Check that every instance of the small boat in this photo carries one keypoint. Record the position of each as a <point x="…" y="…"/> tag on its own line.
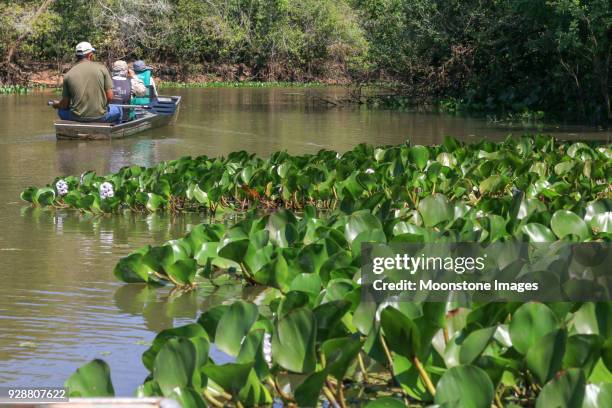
<point x="159" y="112"/>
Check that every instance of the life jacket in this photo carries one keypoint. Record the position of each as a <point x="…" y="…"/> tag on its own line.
<point x="122" y="95"/>
<point x="146" y="79"/>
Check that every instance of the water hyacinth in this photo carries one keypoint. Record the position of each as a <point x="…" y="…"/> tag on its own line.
<point x="267" y="348"/>
<point x="62" y="187"/>
<point x="106" y="190"/>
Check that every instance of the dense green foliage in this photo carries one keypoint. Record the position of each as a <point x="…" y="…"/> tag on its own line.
<point x="559" y="175"/>
<point x="504" y="56"/>
<point x="311" y="334"/>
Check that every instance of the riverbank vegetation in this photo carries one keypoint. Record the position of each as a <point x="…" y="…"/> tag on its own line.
<point x="311" y="335"/>
<point x="505" y="56"/>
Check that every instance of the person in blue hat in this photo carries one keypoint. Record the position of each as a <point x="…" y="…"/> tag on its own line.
<point x="144" y="73"/>
<point x="87" y="90"/>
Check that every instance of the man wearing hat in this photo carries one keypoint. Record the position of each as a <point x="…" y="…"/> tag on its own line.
<point x="144" y="73"/>
<point x="87" y="90"/>
<point x="125" y="86"/>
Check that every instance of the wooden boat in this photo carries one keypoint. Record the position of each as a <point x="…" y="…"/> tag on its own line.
<point x="160" y="112"/>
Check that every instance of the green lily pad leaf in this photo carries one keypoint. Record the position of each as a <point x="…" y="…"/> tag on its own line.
<point x="188" y="398"/>
<point x="407" y="375"/>
<point x="281" y="226"/>
<point x="582" y="351"/>
<point x="236" y="323"/>
<point x="231" y="377"/>
<point x="435" y="209"/>
<point x="447" y="159"/>
<point x="565" y="222"/>
<point x="175" y="365"/>
<point x="91" y="380"/>
<point x="293" y="341"/>
<point x="401" y="333"/>
<point x="44" y="196"/>
<point x="154" y="202"/>
<point x="233" y="249"/>
<point x="385" y="402"/>
<point x="339" y="354"/>
<point x="360" y="221"/>
<point x="492" y="184"/>
<point x="474" y="344"/>
<point x="538" y="233"/>
<point x="565" y="391"/>
<point x="182" y="271"/>
<point x="209" y="320"/>
<point x="545" y="357"/>
<point x="597" y="396"/>
<point x="307" y="393"/>
<point x="419" y="155"/>
<point x="306" y="282"/>
<point x="464" y="386"/>
<point x="530" y="323"/>
<point x="599" y="216"/>
<point x="190" y="331"/>
<point x="328" y="316"/>
<point x="133" y="269"/>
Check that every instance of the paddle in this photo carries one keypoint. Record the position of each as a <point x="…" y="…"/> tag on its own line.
<point x="160" y="106"/>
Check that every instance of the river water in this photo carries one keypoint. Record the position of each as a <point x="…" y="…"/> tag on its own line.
<point x="59" y="303"/>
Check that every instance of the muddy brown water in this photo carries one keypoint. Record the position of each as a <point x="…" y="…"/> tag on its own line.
<point x="59" y="303"/>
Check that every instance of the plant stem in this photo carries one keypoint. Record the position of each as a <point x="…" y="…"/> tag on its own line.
<point x="212" y="400"/>
<point x="387" y="352"/>
<point x="424" y="376"/>
<point x="279" y="391"/>
<point x="330" y="397"/>
<point x="340" y="393"/>
<point x="362" y="367"/>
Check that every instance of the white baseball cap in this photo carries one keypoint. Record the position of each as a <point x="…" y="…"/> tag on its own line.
<point x="84" y="48"/>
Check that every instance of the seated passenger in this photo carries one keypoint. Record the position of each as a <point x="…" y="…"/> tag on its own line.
<point x="126" y="85"/>
<point x="87" y="90"/>
<point x="144" y="73"/>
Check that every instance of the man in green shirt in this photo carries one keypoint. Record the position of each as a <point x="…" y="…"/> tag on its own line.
<point x="87" y="90"/>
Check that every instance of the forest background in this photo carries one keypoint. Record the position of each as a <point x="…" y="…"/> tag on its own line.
<point x="551" y="56"/>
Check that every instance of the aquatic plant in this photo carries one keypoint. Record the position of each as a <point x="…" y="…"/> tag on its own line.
<point x="312" y="334"/>
<point x="561" y="175"/>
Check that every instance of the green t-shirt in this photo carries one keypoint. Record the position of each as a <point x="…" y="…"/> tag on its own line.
<point x="85" y="85"/>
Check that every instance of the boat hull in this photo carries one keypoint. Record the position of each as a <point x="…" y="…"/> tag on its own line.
<point x="71" y="130"/>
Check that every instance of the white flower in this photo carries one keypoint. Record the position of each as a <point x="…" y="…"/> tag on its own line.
<point x="106" y="190"/>
<point x="81" y="178"/>
<point x="61" y="187"/>
<point x="369" y="171"/>
<point x="338" y="156"/>
<point x="267" y="348"/>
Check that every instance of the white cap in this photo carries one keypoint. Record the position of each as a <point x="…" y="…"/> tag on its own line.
<point x="84" y="48"/>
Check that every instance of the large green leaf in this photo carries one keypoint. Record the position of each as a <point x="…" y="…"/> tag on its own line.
<point x="565" y="391"/>
<point x="529" y="324"/>
<point x="175" y="365"/>
<point x="565" y="222"/>
<point x="545" y="358"/>
<point x="385" y="402"/>
<point x="464" y="386"/>
<point x="597" y="396"/>
<point x="435" y="209"/>
<point x="401" y="334"/>
<point x="187" y="398"/>
<point x="360" y="222"/>
<point x="189" y="331"/>
<point x="293" y="341"/>
<point x="419" y="155"/>
<point x="474" y="344"/>
<point x="91" y="380"/>
<point x="235" y="323"/>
